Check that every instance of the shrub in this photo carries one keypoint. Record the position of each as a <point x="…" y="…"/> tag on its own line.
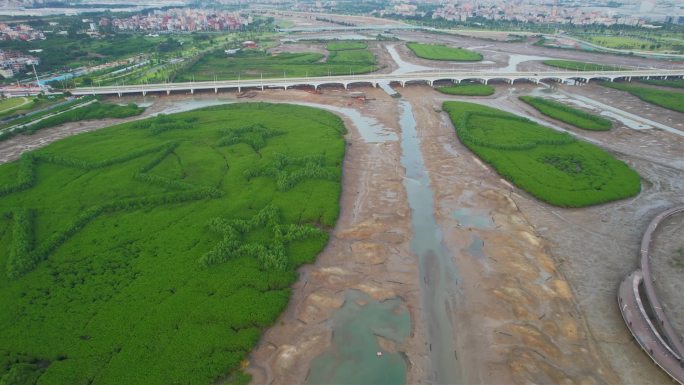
<point x="254" y="136"/>
<point x="567" y="114"/>
<point x="466" y="89"/>
<point x="271" y="255"/>
<point x="310" y="167"/>
<point x="26" y="177"/>
<point x="21" y="258"/>
<point x="443" y="52"/>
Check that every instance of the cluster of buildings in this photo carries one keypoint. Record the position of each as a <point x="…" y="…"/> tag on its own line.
<point x="180" y="20"/>
<point x="578" y="12"/>
<point x="528" y="12"/>
<point x="13" y="62"/>
<point x="19" y="32"/>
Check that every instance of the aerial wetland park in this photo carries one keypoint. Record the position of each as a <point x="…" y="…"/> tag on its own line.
<point x="358" y="193"/>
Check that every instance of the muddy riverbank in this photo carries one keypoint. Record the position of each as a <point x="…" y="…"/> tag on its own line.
<point x="596" y="247"/>
<point x="518" y="319"/>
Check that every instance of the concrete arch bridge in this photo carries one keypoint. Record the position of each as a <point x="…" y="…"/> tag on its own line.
<point x="374" y="80"/>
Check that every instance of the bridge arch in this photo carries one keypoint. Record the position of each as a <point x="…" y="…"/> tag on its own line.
<point x="365" y="82"/>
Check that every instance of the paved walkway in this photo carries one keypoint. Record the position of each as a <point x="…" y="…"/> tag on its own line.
<point x="643" y="312"/>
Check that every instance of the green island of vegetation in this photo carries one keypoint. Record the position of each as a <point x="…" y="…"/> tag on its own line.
<point x="567" y="114"/>
<point x="157" y="251"/>
<point x="249" y="64"/>
<point x="635" y="41"/>
<point x="579" y="66"/>
<point x="443" y="52"/>
<point x="467" y="89"/>
<point x="554" y="167"/>
<point x="672" y="100"/>
<point x="345" y="45"/>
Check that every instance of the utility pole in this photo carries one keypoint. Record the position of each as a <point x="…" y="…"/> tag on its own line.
<point x="35" y="74"/>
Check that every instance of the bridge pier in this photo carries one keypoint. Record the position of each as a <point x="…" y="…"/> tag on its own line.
<point x="430" y="82"/>
<point x="192" y="91"/>
<point x="455" y="81"/>
<point x="216" y="90"/>
<point x="144" y="93"/>
<point x="119" y="93"/>
<point x="168" y="92"/>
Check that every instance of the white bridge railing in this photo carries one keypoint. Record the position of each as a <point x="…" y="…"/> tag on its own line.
<point x="375" y="79"/>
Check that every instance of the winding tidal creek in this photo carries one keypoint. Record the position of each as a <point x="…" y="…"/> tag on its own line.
<point x="438" y="273"/>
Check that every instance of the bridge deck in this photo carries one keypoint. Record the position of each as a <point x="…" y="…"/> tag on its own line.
<point x="375" y="79"/>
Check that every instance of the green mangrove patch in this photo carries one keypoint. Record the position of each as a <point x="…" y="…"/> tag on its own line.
<point x="552" y="166"/>
<point x="672" y="100"/>
<point x="467" y="89"/>
<point x="157" y="251"/>
<point x="567" y="114"/>
<point x="579" y="65"/>
<point x="342" y="59"/>
<point x="443" y="52"/>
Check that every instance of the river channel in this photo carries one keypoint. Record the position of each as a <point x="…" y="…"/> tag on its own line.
<point x="438" y="273"/>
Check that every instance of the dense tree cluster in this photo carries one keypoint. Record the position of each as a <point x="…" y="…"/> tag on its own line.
<point x="567" y="114"/>
<point x="26" y="176"/>
<point x="20" y="258"/>
<point x="25" y="257"/>
<point x="271" y="255"/>
<point x="486" y="129"/>
<point x="307" y="167"/>
<point x="162" y="123"/>
<point x="254" y="136"/>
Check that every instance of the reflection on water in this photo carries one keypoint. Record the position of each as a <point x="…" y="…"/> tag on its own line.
<point x="353" y="355"/>
<point x="476" y="247"/>
<point x="477" y="218"/>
